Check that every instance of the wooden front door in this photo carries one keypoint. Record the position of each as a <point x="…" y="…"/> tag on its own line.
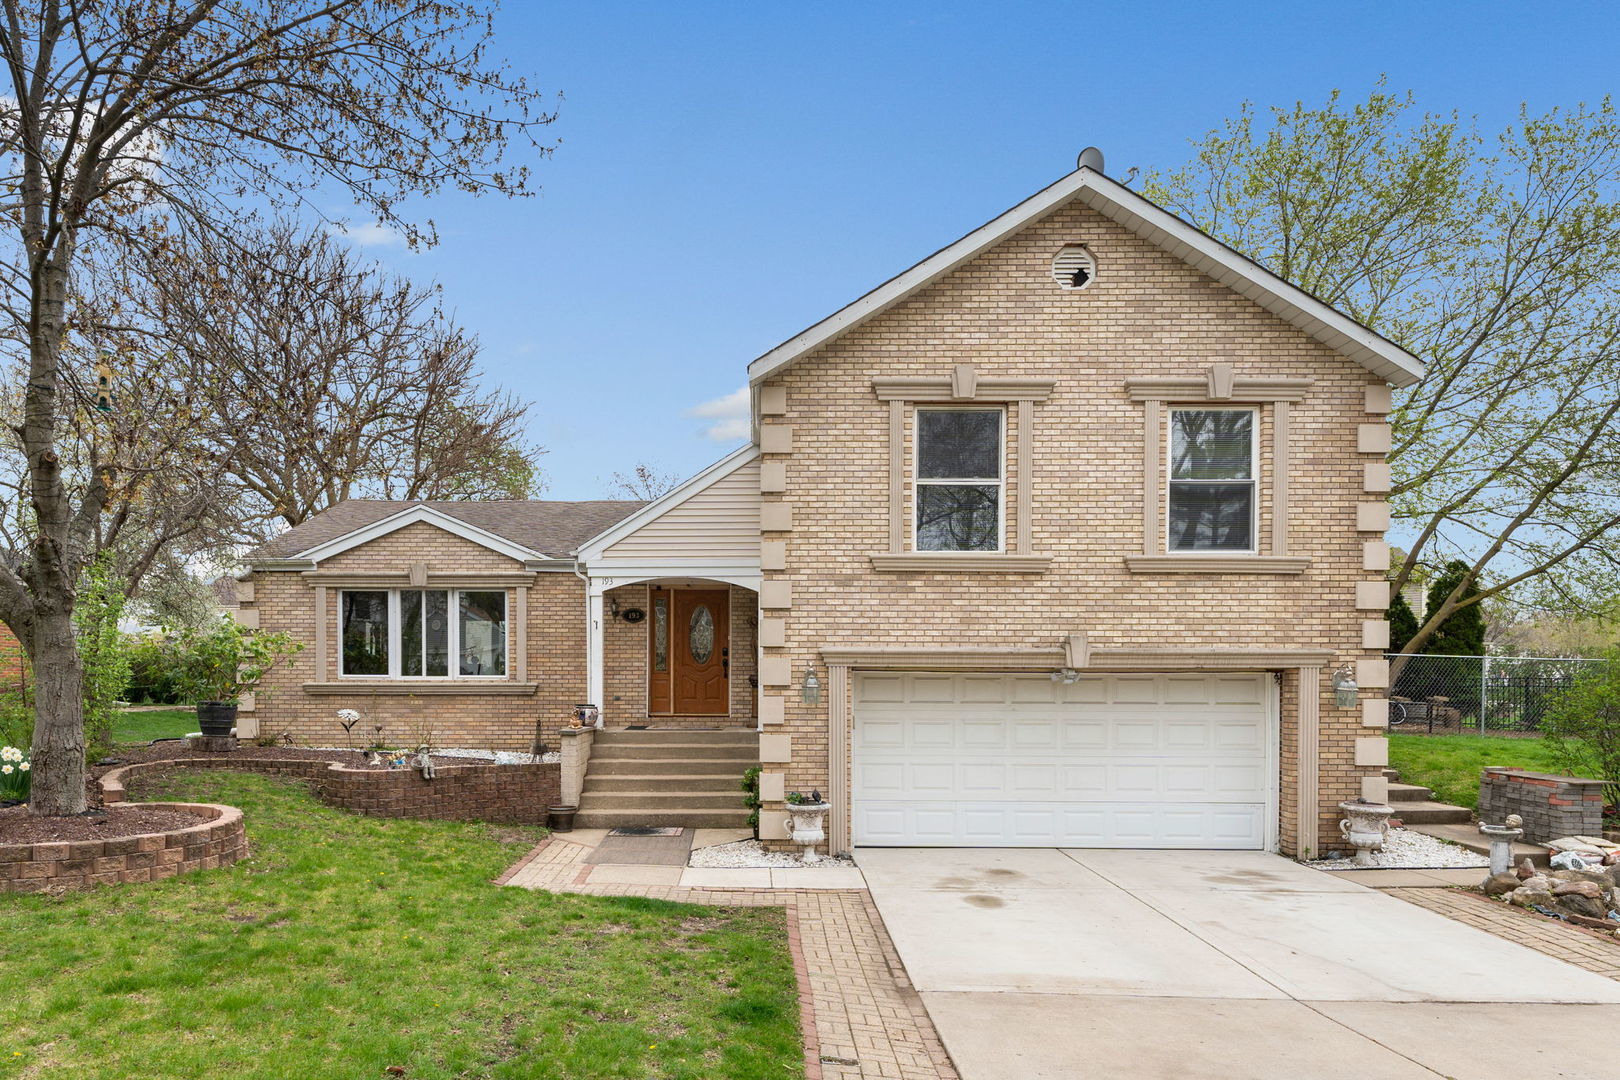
<point x="690" y="654"/>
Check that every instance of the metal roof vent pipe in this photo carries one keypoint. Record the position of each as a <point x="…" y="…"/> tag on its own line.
<point x="1091" y="158"/>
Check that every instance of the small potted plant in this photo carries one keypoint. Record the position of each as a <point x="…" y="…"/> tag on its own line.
<point x="216" y="666"/>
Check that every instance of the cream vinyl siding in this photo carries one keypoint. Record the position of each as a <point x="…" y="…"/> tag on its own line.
<point x="721" y="521"/>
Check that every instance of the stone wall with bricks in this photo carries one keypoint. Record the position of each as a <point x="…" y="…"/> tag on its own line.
<point x="1552" y="806"/>
<point x="1147" y="313"/>
<point x="216" y="840"/>
<point x="514" y="794"/>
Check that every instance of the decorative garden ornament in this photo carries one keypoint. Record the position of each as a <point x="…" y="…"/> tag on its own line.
<point x="1365" y="825"/>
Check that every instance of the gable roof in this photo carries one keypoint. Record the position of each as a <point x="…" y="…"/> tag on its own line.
<point x="651" y="511"/>
<point x="1118" y="203"/>
<point x="524" y="528"/>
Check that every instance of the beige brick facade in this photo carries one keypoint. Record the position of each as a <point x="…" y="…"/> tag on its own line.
<point x="554" y="638"/>
<point x="1147" y="314"/>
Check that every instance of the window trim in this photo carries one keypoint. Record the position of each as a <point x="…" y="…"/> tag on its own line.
<point x="917" y="481"/>
<point x="1254" y="547"/>
<point x="453" y="635"/>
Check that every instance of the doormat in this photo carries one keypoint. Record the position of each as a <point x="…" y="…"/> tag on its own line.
<point x="642" y="849"/>
<point x="638" y="727"/>
<point x="645" y="830"/>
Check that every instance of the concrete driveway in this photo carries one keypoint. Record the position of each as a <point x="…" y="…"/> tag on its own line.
<point x="1038" y="964"/>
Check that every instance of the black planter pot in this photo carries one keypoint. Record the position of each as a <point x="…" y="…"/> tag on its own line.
<point x="216" y="717"/>
<point x="561" y="818"/>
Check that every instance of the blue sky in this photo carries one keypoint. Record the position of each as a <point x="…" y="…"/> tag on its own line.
<point x="730" y="173"/>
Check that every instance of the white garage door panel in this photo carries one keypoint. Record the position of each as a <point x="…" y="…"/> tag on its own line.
<point x="1172" y="760"/>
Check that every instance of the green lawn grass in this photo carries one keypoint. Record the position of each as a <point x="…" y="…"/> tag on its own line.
<point x="1450" y="764"/>
<point x="347" y="945"/>
<point x="143" y="727"/>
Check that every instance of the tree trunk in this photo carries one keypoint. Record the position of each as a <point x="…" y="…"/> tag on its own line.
<point x="58" y="752"/>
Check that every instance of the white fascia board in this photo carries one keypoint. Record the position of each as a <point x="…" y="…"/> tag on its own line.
<point x="604" y="574"/>
<point x="1288" y="302"/>
<point x="410" y="516"/>
<point x="593" y="548"/>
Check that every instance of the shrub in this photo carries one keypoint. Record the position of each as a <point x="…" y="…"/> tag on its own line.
<point x="225" y="661"/>
<point x="103" y="655"/>
<point x="151" y="671"/>
<point x="750" y="787"/>
<point x="1582" y="725"/>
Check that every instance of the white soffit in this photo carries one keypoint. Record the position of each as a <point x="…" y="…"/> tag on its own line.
<point x="670" y="499"/>
<point x="410" y="516"/>
<point x="1293" y="305"/>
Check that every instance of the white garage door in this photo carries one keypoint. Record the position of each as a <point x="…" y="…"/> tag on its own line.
<point x="1139" y="760"/>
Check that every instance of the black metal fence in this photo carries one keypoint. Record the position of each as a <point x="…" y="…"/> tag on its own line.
<point x="1476" y="695"/>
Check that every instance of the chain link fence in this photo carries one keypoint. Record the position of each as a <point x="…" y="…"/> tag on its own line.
<point x="1476" y="695"/>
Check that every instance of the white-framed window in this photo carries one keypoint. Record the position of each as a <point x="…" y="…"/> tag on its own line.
<point x="1214" y="493"/>
<point x="422" y="633"/>
<point x="959" y="479"/>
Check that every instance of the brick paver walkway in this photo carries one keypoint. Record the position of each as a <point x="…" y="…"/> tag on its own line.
<point x="861" y="1016"/>
<point x="1583" y="949"/>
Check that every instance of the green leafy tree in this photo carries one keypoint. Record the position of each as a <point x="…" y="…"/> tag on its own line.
<point x="1462" y="633"/>
<point x="1495" y="260"/>
<point x="104" y="652"/>
<point x="1402" y="623"/>
<point x="1583" y="725"/>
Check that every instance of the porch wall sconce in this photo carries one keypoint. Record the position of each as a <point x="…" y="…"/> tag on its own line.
<point x="810" y="694"/>
<point x="1345" y="690"/>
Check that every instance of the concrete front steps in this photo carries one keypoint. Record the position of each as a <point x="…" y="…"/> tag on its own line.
<point x="668" y="776"/>
<point x="1416" y="809"/>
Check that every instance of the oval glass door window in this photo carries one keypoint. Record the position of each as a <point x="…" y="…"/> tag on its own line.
<point x="700" y="635"/>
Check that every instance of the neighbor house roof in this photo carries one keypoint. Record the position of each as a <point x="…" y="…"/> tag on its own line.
<point x="1153" y="223"/>
<point x="542" y="526"/>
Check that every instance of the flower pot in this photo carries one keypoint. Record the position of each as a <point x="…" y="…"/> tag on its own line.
<point x="216" y="717"/>
<point x="1364" y="826"/>
<point x="561" y="818"/>
<point x="804" y="824"/>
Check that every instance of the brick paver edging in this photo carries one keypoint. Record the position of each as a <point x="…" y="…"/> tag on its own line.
<point x="861" y="1017"/>
<point x="217" y="839"/>
<point x="510" y="794"/>
<point x="1592" y="950"/>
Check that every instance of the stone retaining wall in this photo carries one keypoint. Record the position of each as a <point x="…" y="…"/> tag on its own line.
<point x="216" y="840"/>
<point x="512" y="794"/>
<point x="1551" y="806"/>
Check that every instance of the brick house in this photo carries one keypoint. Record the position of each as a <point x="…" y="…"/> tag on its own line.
<point x="1060" y="537"/>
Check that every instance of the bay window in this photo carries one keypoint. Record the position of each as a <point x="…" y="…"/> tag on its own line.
<point x="423" y="633"/>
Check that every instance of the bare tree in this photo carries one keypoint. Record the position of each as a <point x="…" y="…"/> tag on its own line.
<point x="644" y="482"/>
<point x="319" y="377"/>
<point x="123" y="122"/>
<point x="1501" y="269"/>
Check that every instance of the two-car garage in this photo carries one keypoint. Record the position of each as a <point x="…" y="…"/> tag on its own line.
<point x="1151" y="760"/>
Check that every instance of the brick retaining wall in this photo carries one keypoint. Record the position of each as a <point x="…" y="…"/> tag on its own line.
<point x="216" y="840"/>
<point x="1551" y="806"/>
<point x="512" y="794"/>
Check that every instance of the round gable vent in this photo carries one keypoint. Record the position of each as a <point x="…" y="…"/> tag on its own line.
<point x="1074" y="267"/>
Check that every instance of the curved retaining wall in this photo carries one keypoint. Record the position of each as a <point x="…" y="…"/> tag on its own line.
<point x="510" y="794"/>
<point x="216" y="840"/>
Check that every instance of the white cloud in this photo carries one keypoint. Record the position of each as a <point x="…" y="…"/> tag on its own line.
<point x="730" y="416"/>
<point x="372" y="235"/>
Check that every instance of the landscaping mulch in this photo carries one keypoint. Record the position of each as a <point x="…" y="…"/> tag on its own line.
<point x="18" y="826"/>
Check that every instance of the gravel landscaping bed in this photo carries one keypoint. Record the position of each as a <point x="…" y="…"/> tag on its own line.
<point x="1408" y="850"/>
<point x="751" y="854"/>
<point x="18" y="826"/>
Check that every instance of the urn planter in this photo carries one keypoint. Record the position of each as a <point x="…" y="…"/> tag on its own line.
<point x="805" y="822"/>
<point x="1364" y="826"/>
